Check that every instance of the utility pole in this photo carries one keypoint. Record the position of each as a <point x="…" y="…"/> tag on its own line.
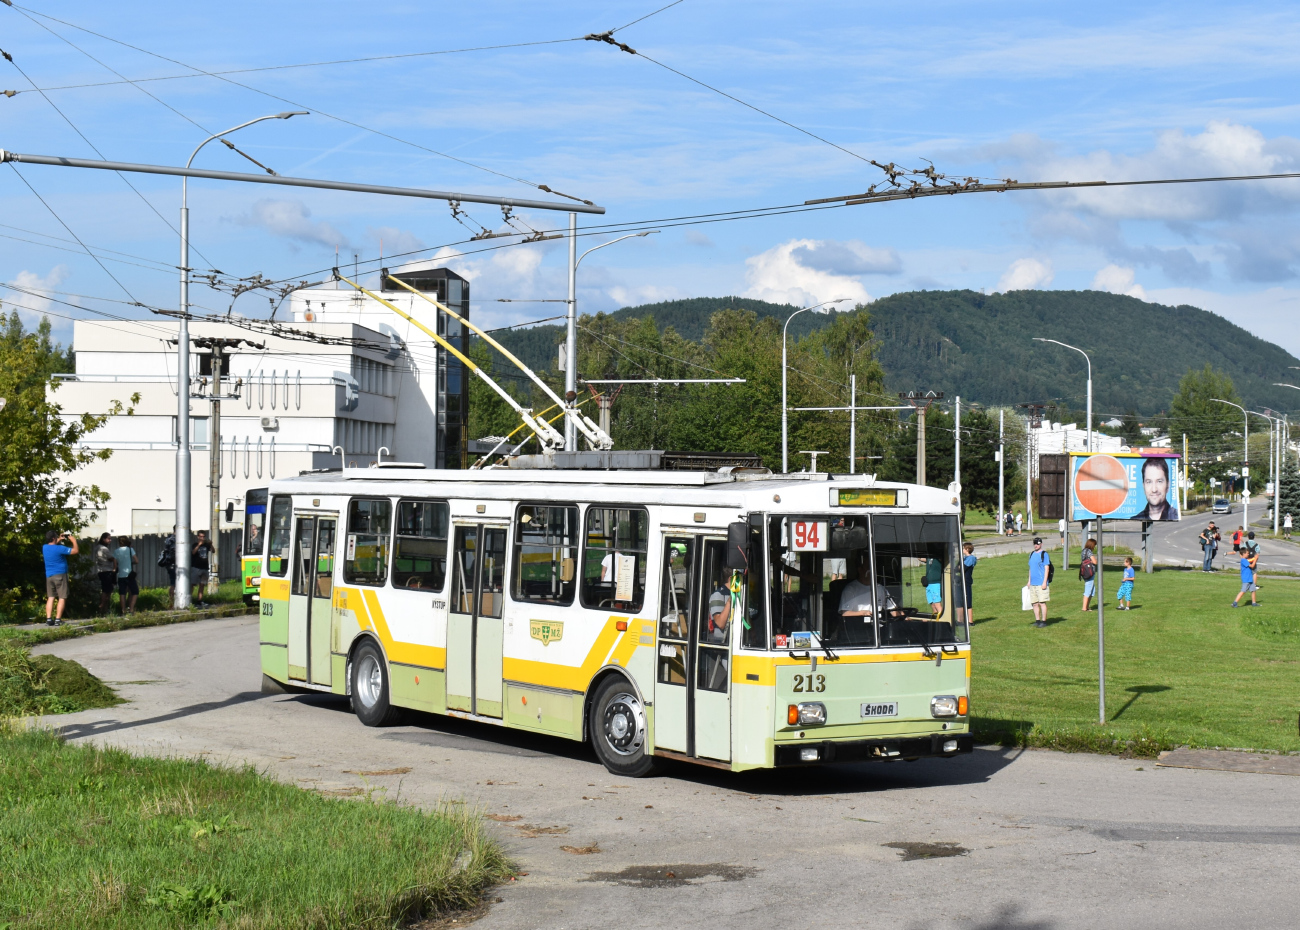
<point x="920" y="401"/>
<point x="1186" y="472"/>
<point x="571" y="341"/>
<point x="1035" y="421"/>
<point x="853" y="420"/>
<point x="1001" y="456"/>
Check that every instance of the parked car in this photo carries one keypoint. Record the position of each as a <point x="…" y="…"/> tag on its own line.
<point x="1221" y="505"/>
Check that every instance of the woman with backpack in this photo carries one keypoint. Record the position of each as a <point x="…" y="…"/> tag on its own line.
<point x="1088" y="571"/>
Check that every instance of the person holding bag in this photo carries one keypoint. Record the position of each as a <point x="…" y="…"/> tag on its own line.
<point x="1088" y="572"/>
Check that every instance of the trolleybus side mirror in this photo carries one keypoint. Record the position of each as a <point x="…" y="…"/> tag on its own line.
<point x="230" y="511"/>
<point x="738" y="546"/>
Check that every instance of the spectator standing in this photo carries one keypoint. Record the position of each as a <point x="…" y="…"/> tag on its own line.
<point x="1008" y="523"/>
<point x="963" y="598"/>
<point x="1088" y="572"/>
<point x="1060" y="528"/>
<point x="1237" y="537"/>
<point x="934" y="585"/>
<point x="1249" y="566"/>
<point x="1125" y="593"/>
<point x="1020" y="522"/>
<point x="55" y="552"/>
<point x="199" y="565"/>
<point x="1040" y="564"/>
<point x="167" y="560"/>
<point x="128" y="564"/>
<point x="106" y="568"/>
<point x="1209" y="546"/>
<point x="1286" y="525"/>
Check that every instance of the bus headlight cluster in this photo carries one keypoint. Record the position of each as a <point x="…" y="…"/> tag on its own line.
<point x="943" y="705"/>
<point x="806" y="715"/>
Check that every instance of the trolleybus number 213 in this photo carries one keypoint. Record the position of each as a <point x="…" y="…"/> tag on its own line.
<point x="741" y="620"/>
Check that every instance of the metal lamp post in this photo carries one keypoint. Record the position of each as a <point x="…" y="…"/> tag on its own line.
<point x="1245" y="491"/>
<point x="1089" y="360"/>
<point x="785" y="431"/>
<point x="183" y="379"/>
<point x="571" y="339"/>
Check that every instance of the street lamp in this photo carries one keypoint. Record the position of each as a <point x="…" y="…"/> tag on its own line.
<point x="183" y="380"/>
<point x="785" y="432"/>
<point x="1089" y="360"/>
<point x="1245" y="496"/>
<point x="571" y="340"/>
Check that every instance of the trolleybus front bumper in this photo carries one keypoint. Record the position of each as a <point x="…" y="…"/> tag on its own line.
<point x="872" y="750"/>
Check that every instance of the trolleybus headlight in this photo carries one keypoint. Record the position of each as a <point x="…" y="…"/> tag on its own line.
<point x="806" y="715"/>
<point x="944" y="705"/>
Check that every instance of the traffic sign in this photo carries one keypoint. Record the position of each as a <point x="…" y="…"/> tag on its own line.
<point x="1246" y="493"/>
<point x="1101" y="484"/>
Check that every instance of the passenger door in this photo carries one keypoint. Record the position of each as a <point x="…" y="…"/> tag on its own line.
<point x="475" y="630"/>
<point x="311" y="598"/>
<point x="696" y="632"/>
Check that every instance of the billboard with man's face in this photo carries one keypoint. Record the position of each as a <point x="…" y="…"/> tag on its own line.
<point x="1124" y="485"/>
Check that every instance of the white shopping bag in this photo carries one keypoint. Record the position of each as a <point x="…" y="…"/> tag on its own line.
<point x="1024" y="599"/>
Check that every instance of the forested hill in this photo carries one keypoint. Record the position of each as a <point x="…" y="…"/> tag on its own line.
<point x="981" y="346"/>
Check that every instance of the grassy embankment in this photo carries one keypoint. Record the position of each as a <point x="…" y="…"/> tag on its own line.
<point x="1182" y="667"/>
<point x="95" y="838"/>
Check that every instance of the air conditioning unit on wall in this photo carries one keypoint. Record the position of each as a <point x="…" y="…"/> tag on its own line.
<point x="270" y="424"/>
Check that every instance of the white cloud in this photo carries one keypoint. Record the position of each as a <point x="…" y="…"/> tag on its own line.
<point x="292" y="220"/>
<point x="782" y="275"/>
<point x="848" y="258"/>
<point x="1025" y="274"/>
<point x="695" y="237"/>
<point x="33" y="302"/>
<point x="1118" y="280"/>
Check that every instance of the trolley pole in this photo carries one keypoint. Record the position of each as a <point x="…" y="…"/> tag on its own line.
<point x="571" y="341"/>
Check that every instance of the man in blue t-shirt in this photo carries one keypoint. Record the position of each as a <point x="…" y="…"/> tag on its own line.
<point x="56" y="551"/>
<point x="1039" y="595"/>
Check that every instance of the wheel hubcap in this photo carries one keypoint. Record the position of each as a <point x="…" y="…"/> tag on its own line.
<point x="370" y="681"/>
<point x="624" y="724"/>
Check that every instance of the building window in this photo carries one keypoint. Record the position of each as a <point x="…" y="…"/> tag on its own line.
<point x="278" y="538"/>
<point x="365" y="561"/>
<point x="614" y="562"/>
<point x="546" y="542"/>
<point x="420" y="549"/>
<point x="372" y="377"/>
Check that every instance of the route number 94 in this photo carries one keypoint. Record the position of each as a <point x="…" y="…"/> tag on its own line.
<point x="808" y="536"/>
<point x="808" y="684"/>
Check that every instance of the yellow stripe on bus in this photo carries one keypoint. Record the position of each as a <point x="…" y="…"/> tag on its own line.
<point x="568" y="677"/>
<point x="275" y="589"/>
<point x="366" y="606"/>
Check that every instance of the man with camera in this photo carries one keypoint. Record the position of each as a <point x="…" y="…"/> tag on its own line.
<point x="58" y="546"/>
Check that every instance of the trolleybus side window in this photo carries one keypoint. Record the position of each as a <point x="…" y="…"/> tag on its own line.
<point x="254" y="521"/>
<point x="715" y="629"/>
<point x="277" y="552"/>
<point x="546" y="549"/>
<point x="492" y="584"/>
<point x="614" y="561"/>
<point x="675" y="609"/>
<point x="365" y="558"/>
<point x="753" y="633"/>
<point x="420" y="547"/>
<point x="914" y="557"/>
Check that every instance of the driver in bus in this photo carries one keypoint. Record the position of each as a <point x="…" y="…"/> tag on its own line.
<point x="719" y="615"/>
<point x="856" y="599"/>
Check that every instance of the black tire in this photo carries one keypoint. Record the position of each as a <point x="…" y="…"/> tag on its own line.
<point x="618" y="730"/>
<point x="368" y="685"/>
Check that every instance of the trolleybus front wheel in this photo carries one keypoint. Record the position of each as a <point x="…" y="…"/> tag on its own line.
<point x="618" y="730"/>
<point x="370" y="687"/>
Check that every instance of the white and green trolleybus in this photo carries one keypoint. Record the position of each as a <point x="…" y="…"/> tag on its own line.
<point x="728" y="617"/>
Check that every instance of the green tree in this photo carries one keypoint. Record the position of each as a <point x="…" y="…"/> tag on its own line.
<point x="40" y="450"/>
<point x="1213" y="429"/>
<point x="1289" y="492"/>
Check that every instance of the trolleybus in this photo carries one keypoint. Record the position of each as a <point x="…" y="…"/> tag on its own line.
<point x="732" y="618"/>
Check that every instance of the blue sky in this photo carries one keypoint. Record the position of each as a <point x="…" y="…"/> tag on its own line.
<point x="1025" y="90"/>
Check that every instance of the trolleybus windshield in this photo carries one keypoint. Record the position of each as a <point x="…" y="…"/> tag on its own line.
<point x="861" y="582"/>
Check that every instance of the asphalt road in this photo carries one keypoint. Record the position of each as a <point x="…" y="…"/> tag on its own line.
<point x="1042" y="840"/>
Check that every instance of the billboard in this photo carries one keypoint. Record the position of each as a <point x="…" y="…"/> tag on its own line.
<point x="1124" y="485"/>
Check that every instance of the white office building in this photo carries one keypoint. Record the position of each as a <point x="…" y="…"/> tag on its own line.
<point x="345" y="380"/>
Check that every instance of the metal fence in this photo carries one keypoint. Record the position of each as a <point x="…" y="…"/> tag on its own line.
<point x="150" y="546"/>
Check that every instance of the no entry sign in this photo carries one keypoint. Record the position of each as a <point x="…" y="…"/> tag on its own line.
<point x="1101" y="484"/>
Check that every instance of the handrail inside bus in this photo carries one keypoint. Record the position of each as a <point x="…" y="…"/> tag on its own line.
<point x="546" y="434"/>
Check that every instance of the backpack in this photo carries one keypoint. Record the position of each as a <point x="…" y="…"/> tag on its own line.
<point x="1087" y="569"/>
<point x="1051" y="570"/>
<point x="167" y="558"/>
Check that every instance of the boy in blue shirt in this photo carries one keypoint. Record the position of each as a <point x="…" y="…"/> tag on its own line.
<point x="1249" y="561"/>
<point x="56" y="552"/>
<point x="1125" y="593"/>
<point x="1039" y="594"/>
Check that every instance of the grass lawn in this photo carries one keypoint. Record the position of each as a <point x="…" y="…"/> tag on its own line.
<point x="1182" y="667"/>
<point x="92" y="838"/>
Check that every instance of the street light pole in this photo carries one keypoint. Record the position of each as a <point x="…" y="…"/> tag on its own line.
<point x="1245" y="491"/>
<point x="1089" y="360"/>
<point x="183" y="463"/>
<point x="571" y="339"/>
<point x="785" y="432"/>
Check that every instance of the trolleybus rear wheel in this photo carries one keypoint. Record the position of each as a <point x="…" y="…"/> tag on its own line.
<point x="618" y="730"/>
<point x="370" y="687"/>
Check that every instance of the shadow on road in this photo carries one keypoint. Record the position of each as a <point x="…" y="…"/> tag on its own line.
<point x="99" y="727"/>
